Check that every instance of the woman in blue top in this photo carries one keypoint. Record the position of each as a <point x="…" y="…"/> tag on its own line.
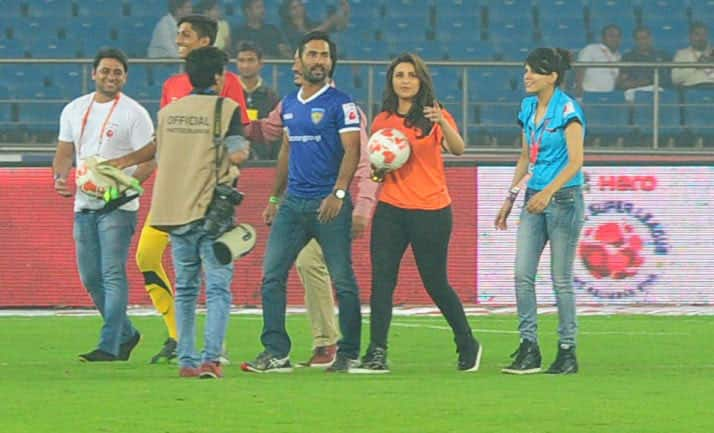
<point x="552" y="154"/>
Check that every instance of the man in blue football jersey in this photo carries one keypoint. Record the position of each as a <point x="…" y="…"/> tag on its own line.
<point x="318" y="157"/>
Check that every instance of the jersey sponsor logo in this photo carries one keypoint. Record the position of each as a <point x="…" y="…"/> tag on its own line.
<point x="316" y="114"/>
<point x="568" y="109"/>
<point x="304" y="138"/>
<point x="351" y="116"/>
<point x="287" y="116"/>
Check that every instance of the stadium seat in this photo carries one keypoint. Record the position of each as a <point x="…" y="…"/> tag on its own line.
<point x="493" y="85"/>
<point x="702" y="10"/>
<point x="105" y="8"/>
<point x="698" y="111"/>
<point x="607" y="114"/>
<point x="477" y="51"/>
<point x="57" y="9"/>
<point x="41" y="116"/>
<point x="447" y="82"/>
<point x="669" y="112"/>
<point x="618" y="12"/>
<point x="562" y="31"/>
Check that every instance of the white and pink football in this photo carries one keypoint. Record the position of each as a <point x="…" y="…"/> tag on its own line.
<point x="389" y="149"/>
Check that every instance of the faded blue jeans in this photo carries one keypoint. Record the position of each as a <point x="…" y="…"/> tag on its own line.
<point x="102" y="245"/>
<point x="192" y="250"/>
<point x="295" y="224"/>
<point x="559" y="224"/>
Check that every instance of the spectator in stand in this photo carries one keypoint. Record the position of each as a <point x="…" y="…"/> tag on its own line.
<point x="642" y="79"/>
<point x="266" y="36"/>
<point x="163" y="39"/>
<point x="212" y="9"/>
<point x="600" y="79"/>
<point x="260" y="99"/>
<point x="700" y="51"/>
<point x="295" y="22"/>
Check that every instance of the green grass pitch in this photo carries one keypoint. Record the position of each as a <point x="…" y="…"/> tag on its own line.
<point x="638" y="374"/>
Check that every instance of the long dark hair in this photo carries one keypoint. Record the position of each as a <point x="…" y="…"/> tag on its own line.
<point x="424" y="97"/>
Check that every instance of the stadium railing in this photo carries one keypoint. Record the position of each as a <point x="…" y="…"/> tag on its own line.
<point x="483" y="96"/>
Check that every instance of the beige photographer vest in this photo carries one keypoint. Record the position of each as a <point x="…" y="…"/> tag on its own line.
<point x="186" y="158"/>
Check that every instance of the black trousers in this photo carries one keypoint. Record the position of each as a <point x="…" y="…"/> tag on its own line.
<point x="428" y="233"/>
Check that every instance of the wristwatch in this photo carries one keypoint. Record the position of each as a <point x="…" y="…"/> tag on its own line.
<point x="340" y="193"/>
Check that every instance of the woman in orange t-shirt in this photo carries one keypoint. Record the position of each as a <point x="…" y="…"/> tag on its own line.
<point x="414" y="209"/>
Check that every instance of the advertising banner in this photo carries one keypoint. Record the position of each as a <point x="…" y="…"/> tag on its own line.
<point x="647" y="238"/>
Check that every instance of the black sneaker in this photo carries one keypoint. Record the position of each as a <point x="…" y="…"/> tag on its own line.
<point x="470" y="355"/>
<point x="342" y="364"/>
<point x="565" y="362"/>
<point x="373" y="362"/>
<point x="97" y="355"/>
<point x="527" y="360"/>
<point x="267" y="363"/>
<point x="168" y="352"/>
<point x="126" y="348"/>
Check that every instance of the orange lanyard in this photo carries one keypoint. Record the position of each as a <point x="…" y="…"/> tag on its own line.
<point x="104" y="124"/>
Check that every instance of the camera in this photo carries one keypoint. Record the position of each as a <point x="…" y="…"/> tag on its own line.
<point x="221" y="210"/>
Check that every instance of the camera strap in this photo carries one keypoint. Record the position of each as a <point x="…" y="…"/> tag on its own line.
<point x="218" y="134"/>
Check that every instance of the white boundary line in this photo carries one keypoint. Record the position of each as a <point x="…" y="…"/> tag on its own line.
<point x="399" y="311"/>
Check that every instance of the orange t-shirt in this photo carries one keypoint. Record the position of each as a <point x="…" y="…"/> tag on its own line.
<point x="421" y="182"/>
<point x="177" y="86"/>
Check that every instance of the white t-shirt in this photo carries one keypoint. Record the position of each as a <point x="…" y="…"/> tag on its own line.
<point x="128" y="128"/>
<point x="599" y="79"/>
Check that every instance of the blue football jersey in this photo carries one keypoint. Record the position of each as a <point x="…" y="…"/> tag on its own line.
<point x="313" y="127"/>
<point x="547" y="139"/>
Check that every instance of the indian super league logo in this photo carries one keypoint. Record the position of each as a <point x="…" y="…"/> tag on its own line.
<point x="621" y="251"/>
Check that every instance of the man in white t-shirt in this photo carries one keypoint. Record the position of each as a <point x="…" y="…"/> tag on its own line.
<point x="106" y="124"/>
<point x="600" y="79"/>
<point x="699" y="51"/>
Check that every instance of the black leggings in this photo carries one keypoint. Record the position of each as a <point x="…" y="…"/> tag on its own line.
<point x="428" y="232"/>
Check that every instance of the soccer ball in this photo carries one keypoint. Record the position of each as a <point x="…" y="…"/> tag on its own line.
<point x="87" y="180"/>
<point x="389" y="149"/>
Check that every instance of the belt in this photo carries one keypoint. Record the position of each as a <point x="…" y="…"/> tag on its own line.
<point x="112" y="205"/>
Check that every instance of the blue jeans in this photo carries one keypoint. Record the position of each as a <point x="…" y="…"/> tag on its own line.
<point x="102" y="244"/>
<point x="560" y="225"/>
<point x="192" y="251"/>
<point x="295" y="224"/>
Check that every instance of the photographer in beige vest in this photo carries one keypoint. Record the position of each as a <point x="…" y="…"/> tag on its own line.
<point x="199" y="144"/>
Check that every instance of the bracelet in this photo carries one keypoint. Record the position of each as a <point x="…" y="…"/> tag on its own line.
<point x="513" y="193"/>
<point x="274" y="199"/>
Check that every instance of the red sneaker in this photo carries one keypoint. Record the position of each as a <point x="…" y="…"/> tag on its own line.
<point x="210" y="370"/>
<point x="189" y="372"/>
<point x="322" y="357"/>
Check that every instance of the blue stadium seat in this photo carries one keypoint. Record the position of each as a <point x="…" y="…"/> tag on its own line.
<point x="669" y="112"/>
<point x="67" y="79"/>
<point x="430" y="50"/>
<point x="499" y="118"/>
<point x="134" y="35"/>
<point x="104" y="8"/>
<point x="56" y="48"/>
<point x="5" y="114"/>
<point x="10" y="50"/>
<point x="699" y="104"/>
<point x="572" y="10"/>
<point x="477" y="51"/>
<point x="57" y="9"/>
<point x="618" y="12"/>
<point x="563" y="31"/>
<point x="149" y="9"/>
<point x="702" y="10"/>
<point x="493" y="85"/>
<point x="447" y="82"/>
<point x="10" y="8"/>
<point x="607" y="113"/>
<point x="457" y="28"/>
<point x="40" y="116"/>
<point x="507" y="10"/>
